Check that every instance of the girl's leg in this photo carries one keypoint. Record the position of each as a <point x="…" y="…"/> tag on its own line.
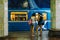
<point x="32" y="30"/>
<point x="40" y="30"/>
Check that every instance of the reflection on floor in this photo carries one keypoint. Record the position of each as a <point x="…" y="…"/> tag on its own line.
<point x="27" y="36"/>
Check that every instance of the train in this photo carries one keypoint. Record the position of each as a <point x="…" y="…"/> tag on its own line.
<point x="18" y="15"/>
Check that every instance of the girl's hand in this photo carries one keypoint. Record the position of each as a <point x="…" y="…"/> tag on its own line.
<point x="30" y="22"/>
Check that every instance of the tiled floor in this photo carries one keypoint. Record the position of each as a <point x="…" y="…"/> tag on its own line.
<point x="27" y="36"/>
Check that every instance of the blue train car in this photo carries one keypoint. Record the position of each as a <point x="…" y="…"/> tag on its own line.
<point x="18" y="15"/>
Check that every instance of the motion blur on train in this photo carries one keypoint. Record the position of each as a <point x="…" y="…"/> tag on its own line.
<point x="21" y="11"/>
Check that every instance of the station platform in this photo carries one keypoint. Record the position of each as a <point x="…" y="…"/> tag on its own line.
<point x="26" y="35"/>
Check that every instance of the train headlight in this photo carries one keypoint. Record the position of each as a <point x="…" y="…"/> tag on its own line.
<point x="25" y="4"/>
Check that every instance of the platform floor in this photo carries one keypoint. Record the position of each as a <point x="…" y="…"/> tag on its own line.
<point x="25" y="35"/>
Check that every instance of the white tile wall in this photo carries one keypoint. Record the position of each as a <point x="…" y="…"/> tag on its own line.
<point x="57" y="14"/>
<point x="5" y="18"/>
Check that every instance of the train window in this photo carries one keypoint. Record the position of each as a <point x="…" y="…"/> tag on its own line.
<point x="44" y="16"/>
<point x="43" y="3"/>
<point x="17" y="4"/>
<point x="19" y="16"/>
